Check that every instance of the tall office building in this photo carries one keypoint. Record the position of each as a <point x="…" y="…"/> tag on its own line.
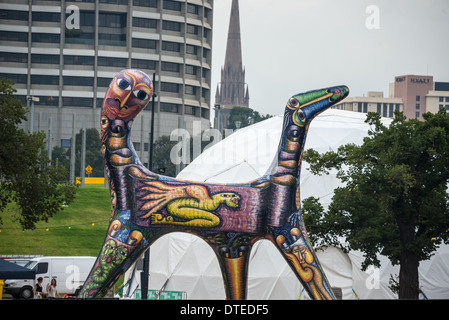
<point x="65" y="53"/>
<point x="232" y="90"/>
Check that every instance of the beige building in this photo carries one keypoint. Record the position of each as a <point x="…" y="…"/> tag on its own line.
<point x="374" y="101"/>
<point x="413" y="95"/>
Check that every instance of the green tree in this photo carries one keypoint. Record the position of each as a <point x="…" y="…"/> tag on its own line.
<point x="26" y="175"/>
<point x="245" y="116"/>
<point x="395" y="197"/>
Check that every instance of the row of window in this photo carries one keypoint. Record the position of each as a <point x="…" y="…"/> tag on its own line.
<point x="102" y="61"/>
<point x="105" y="19"/>
<point x="89" y="82"/>
<point x="384" y="109"/>
<point x="87" y="103"/>
<point x="108" y="37"/>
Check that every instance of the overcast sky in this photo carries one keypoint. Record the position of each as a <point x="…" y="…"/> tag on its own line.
<point x="292" y="46"/>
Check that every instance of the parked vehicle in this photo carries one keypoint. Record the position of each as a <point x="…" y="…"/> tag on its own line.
<point x="69" y="272"/>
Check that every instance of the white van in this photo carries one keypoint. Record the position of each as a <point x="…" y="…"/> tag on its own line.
<point x="69" y="272"/>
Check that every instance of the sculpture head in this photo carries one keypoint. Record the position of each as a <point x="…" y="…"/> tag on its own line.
<point x="128" y="94"/>
<point x="229" y="198"/>
<point x="305" y="106"/>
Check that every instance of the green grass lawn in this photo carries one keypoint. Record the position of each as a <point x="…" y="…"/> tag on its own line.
<point x="78" y="230"/>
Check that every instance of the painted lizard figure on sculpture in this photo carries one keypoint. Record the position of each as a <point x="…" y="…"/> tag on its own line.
<point x="229" y="217"/>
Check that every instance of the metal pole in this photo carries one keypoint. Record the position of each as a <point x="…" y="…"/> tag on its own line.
<point x="72" y="150"/>
<point x="144" y="275"/>
<point x="49" y="138"/>
<point x="83" y="155"/>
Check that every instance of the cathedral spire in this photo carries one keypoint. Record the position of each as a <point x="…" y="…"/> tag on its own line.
<point x="234" y="44"/>
<point x="232" y="91"/>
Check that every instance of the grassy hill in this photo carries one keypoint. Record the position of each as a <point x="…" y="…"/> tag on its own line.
<point x="78" y="230"/>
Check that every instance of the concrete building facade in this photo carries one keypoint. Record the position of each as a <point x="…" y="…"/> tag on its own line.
<point x="65" y="53"/>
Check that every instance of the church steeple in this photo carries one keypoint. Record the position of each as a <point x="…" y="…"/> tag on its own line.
<point x="232" y="91"/>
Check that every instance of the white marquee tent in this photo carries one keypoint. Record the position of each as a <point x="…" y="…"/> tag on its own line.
<point x="183" y="262"/>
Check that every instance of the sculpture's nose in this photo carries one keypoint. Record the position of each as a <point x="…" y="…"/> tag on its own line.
<point x="314" y="102"/>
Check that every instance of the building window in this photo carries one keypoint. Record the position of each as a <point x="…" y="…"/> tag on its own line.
<point x="48" y="101"/>
<point x="112" y="62"/>
<point x="111" y="39"/>
<point x="44" y="79"/>
<point x="16" y="78"/>
<point x="103" y="82"/>
<point x="391" y="110"/>
<point x="171" y="46"/>
<point x="447" y="99"/>
<point x="191" y="49"/>
<point x="79" y="60"/>
<point x="76" y="102"/>
<point x="172" y="5"/>
<point x="143" y="64"/>
<point x="13" y="36"/>
<point x="191" y="69"/>
<point x="190" y="90"/>
<point x="45" y="58"/>
<point x="359" y="107"/>
<point x="78" y="81"/>
<point x="45" y="37"/>
<point x="171" y="26"/>
<point x="14" y="15"/>
<point x="417" y="114"/>
<point x="189" y="110"/>
<point x="169" y="107"/>
<point x="144" y="43"/>
<point x="144" y="23"/>
<point x="192" y="8"/>
<point x="145" y="3"/>
<point x="169" y="66"/>
<point x="441" y="99"/>
<point x="385" y="110"/>
<point x="46" y="16"/>
<point x="122" y="2"/>
<point x="417" y="106"/>
<point x="13" y="57"/>
<point x="169" y="87"/>
<point x="418" y="98"/>
<point x="112" y="20"/>
<point x="192" y="29"/>
<point x="379" y="108"/>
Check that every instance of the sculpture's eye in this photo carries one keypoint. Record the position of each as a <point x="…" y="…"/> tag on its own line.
<point x="299" y="117"/>
<point x="124" y="84"/>
<point x="140" y="94"/>
<point x="293" y="102"/>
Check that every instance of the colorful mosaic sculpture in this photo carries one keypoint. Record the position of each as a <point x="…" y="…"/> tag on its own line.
<point x="229" y="217"/>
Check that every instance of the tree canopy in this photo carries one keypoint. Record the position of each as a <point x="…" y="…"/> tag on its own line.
<point x="26" y="175"/>
<point x="395" y="198"/>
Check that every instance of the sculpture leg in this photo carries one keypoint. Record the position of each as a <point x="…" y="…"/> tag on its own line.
<point x="233" y="251"/>
<point x="235" y="273"/>
<point x="292" y="241"/>
<point x="123" y="245"/>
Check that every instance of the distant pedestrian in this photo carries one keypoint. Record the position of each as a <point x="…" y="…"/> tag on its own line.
<point x="38" y="293"/>
<point x="51" y="289"/>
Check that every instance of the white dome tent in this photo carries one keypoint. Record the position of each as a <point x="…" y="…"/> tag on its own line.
<point x="183" y="262"/>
